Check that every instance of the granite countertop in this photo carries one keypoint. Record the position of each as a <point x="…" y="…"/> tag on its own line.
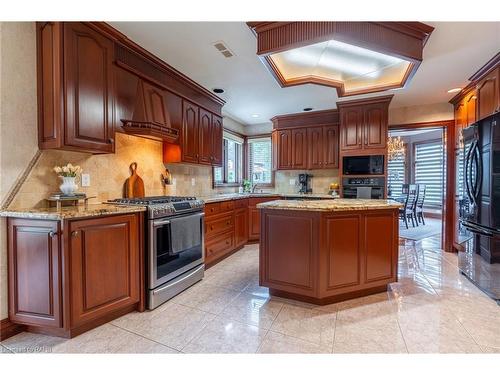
<point x="235" y="196"/>
<point x="70" y="212"/>
<point x="331" y="205"/>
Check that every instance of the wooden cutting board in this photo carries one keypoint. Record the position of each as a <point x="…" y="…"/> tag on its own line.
<point x="134" y="186"/>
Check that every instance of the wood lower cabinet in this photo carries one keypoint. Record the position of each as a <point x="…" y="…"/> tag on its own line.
<point x="325" y="257"/>
<point x="229" y="225"/>
<point x="35" y="282"/>
<point x="65" y="282"/>
<point x="76" y="97"/>
<point x="104" y="261"/>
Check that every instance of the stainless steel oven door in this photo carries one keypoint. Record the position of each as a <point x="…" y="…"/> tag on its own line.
<point x="176" y="245"/>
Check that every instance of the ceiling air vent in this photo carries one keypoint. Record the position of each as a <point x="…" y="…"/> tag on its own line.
<point x="222" y="48"/>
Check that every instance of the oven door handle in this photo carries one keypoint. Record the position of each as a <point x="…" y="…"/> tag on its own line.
<point x="187" y="276"/>
<point x="158" y="223"/>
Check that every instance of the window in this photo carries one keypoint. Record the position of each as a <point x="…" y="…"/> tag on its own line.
<point x="396" y="175"/>
<point x="231" y="172"/>
<point x="429" y="171"/>
<point x="260" y="161"/>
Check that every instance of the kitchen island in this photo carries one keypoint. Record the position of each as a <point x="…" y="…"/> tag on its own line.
<point x="329" y="250"/>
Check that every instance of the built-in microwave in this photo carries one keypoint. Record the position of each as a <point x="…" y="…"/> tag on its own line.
<point x="363" y="165"/>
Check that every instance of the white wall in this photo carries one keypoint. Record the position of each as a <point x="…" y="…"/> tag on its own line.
<point x="18" y="119"/>
<point x="420" y="113"/>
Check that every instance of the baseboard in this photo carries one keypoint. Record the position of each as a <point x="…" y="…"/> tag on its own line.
<point x="9" y="329"/>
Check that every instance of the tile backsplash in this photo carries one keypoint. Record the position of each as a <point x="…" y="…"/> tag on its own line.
<point x="320" y="181"/>
<point x="108" y="173"/>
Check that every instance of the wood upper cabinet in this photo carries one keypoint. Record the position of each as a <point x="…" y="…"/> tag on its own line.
<point x="331" y="146"/>
<point x="364" y="126"/>
<point x="315" y="151"/>
<point x="76" y="95"/>
<point x="375" y="127"/>
<point x="34" y="256"/>
<point x="284" y="149"/>
<point x="104" y="260"/>
<point x="299" y="148"/>
<point x="351" y="129"/>
<point x="217" y="140"/>
<point x="89" y="88"/>
<point x="206" y="142"/>
<point x="190" y="138"/>
<point x="488" y="94"/>
<point x="471" y="108"/>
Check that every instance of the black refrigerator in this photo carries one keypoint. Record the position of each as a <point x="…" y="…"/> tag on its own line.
<point x="480" y="211"/>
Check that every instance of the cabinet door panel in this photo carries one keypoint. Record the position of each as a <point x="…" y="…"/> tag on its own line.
<point x="470" y="104"/>
<point x="217" y="135"/>
<point x="331" y="146"/>
<point x="254" y="223"/>
<point x="89" y="88"/>
<point x="240" y="227"/>
<point x="34" y="272"/>
<point x="190" y="132"/>
<point x="343" y="251"/>
<point x="315" y="147"/>
<point x="284" y="149"/>
<point x="104" y="257"/>
<point x="379" y="247"/>
<point x="206" y="141"/>
<point x="488" y="95"/>
<point x="375" y="125"/>
<point x="351" y="128"/>
<point x="299" y="148"/>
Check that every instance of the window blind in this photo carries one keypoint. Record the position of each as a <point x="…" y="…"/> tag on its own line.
<point x="429" y="171"/>
<point x="396" y="176"/>
<point x="260" y="161"/>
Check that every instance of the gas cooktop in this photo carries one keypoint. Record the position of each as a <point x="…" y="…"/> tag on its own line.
<point x="148" y="201"/>
<point x="161" y="206"/>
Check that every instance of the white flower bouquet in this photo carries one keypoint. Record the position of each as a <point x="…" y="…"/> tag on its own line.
<point x="68" y="170"/>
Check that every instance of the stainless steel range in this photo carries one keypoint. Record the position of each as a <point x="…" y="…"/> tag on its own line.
<point x="174" y="243"/>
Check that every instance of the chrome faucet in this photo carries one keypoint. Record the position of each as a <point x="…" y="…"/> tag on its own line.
<point x="253" y="188"/>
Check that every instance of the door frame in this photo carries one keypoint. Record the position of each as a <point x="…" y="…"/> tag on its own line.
<point x="448" y="211"/>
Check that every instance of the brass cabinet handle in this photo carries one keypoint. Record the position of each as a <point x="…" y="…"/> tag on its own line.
<point x="74" y="233"/>
<point x="111" y="140"/>
<point x="211" y="227"/>
<point x="52" y="234"/>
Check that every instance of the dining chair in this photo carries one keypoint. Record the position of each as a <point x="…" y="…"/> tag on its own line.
<point x="408" y="210"/>
<point x="419" y="206"/>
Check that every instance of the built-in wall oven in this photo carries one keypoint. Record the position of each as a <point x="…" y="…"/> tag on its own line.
<point x="363" y="165"/>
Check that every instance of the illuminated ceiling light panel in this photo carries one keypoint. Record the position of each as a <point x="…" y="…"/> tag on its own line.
<point x="334" y="63"/>
<point x="353" y="57"/>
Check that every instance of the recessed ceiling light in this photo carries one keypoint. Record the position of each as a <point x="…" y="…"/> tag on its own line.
<point x="307" y="109"/>
<point x="457" y="89"/>
<point x="218" y="91"/>
<point x="255" y="115"/>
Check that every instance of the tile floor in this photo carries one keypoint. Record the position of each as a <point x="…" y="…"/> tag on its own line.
<point x="431" y="309"/>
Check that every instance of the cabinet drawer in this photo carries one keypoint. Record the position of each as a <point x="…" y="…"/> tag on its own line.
<point x="241" y="203"/>
<point x="226" y="206"/>
<point x="219" y="246"/>
<point x="217" y="225"/>
<point x="212" y="209"/>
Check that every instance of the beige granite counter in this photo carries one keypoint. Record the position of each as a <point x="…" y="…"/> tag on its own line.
<point x="331" y="205"/>
<point x="71" y="212"/>
<point x="236" y="196"/>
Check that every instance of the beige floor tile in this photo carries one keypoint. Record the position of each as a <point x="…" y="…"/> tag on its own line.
<point x="365" y="308"/>
<point x="226" y="336"/>
<point x="4" y="350"/>
<point x="373" y="335"/>
<point x="434" y="329"/>
<point x="236" y="281"/>
<point x="252" y="309"/>
<point x="170" y="324"/>
<point x="306" y="324"/>
<point x="206" y="297"/>
<point x="275" y="343"/>
<point x="104" y="339"/>
<point x="254" y="288"/>
<point x="487" y="349"/>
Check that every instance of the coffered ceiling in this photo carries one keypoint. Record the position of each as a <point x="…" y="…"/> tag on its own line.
<point x="454" y="51"/>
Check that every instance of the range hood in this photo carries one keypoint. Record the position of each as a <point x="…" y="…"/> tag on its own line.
<point x="151" y="118"/>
